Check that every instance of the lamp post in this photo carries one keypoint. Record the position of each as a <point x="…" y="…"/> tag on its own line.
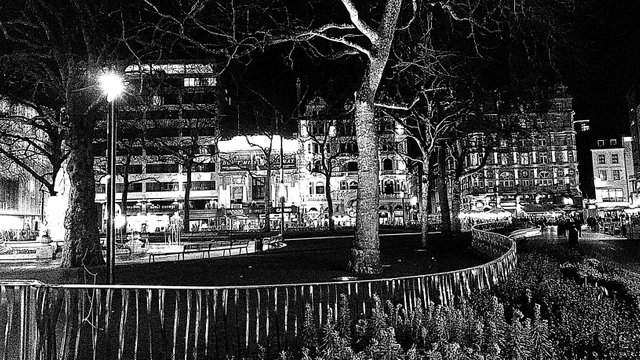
<point x="404" y="221"/>
<point x="112" y="87"/>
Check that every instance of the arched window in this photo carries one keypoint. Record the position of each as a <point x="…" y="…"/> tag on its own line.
<point x="319" y="187"/>
<point x="387" y="164"/>
<point x="545" y="178"/>
<point x="506" y="179"/>
<point x="353" y="185"/>
<point x="352" y="166"/>
<point x="343" y="185"/>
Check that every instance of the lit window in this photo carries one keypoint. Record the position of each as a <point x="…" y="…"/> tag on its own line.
<point x="616" y="174"/>
<point x="603" y="174"/>
<point x="543" y="159"/>
<point x="614" y="159"/>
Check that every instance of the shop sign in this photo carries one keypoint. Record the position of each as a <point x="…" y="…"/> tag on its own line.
<point x="235" y="212"/>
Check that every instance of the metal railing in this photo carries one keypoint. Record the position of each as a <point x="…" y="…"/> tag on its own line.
<point x="85" y="321"/>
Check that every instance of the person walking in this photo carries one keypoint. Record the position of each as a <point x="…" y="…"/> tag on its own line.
<point x="573" y="233"/>
<point x="578" y="224"/>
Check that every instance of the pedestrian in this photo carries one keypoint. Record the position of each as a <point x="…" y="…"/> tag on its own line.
<point x="578" y="224"/>
<point x="573" y="233"/>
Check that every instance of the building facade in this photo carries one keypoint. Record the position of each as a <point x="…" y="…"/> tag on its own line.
<point x="613" y="173"/>
<point x="21" y="198"/>
<point x="170" y="121"/>
<point x="244" y="190"/>
<point x="533" y="173"/>
<point x="327" y="143"/>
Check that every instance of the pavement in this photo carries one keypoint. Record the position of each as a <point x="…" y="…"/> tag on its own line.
<point x="617" y="249"/>
<point x="550" y="236"/>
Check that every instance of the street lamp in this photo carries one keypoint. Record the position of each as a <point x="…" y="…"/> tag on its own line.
<point x="112" y="86"/>
<point x="404" y="221"/>
<point x="281" y="196"/>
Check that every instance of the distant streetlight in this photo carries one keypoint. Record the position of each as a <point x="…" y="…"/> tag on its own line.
<point x="112" y="86"/>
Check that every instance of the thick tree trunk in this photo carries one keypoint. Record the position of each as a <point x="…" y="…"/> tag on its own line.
<point x="456" y="205"/>
<point x="365" y="252"/>
<point x="187" y="196"/>
<point x="425" y="202"/>
<point x="443" y="195"/>
<point x="82" y="239"/>
<point x="329" y="202"/>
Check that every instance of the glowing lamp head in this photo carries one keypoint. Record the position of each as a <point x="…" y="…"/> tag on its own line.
<point x="111" y="85"/>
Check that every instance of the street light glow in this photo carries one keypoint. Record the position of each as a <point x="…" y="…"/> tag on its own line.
<point x="111" y="85"/>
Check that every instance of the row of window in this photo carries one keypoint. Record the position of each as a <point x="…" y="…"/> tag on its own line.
<point x="522" y="158"/>
<point x="346" y="128"/>
<point x="387" y="165"/>
<point x="159" y="186"/>
<point x="525" y="174"/>
<point x="615" y="174"/>
<point x="612" y="195"/>
<point x="521" y="182"/>
<point x="612" y="142"/>
<point x="386" y="187"/>
<point x="165" y="168"/>
<point x="602" y="158"/>
<point x="558" y="140"/>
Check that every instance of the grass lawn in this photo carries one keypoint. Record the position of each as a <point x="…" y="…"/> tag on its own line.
<point x="312" y="260"/>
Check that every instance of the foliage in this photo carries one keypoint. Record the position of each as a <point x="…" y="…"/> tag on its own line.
<point x="537" y="314"/>
<point x="583" y="321"/>
<point x="433" y="332"/>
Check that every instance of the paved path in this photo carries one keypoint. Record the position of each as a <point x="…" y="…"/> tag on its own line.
<point x="617" y="249"/>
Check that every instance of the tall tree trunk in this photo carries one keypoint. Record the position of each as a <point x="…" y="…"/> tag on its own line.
<point x="82" y="239"/>
<point x="424" y="200"/>
<point x="187" y="196"/>
<point x="456" y="205"/>
<point x="445" y="213"/>
<point x="267" y="199"/>
<point x="365" y="252"/>
<point x="329" y="201"/>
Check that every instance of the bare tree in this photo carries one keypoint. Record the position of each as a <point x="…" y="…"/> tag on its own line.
<point x="330" y="153"/>
<point x="55" y="53"/>
<point x="34" y="142"/>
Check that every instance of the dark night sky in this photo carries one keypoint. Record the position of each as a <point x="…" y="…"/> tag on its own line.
<point x="611" y="32"/>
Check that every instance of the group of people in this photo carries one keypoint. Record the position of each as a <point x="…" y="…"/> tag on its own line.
<point x="570" y="227"/>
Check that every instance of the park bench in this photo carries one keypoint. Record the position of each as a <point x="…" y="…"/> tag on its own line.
<point x="204" y="248"/>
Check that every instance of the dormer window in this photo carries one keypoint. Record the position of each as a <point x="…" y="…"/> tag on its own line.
<point x="613" y="142"/>
<point x="600" y="143"/>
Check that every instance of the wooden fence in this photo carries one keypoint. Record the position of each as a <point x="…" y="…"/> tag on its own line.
<point x="80" y="321"/>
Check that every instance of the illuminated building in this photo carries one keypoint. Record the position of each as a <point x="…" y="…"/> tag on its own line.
<point x="613" y="173"/>
<point x="21" y="197"/>
<point x="533" y="173"/>
<point x="169" y="113"/>
<point x="243" y="188"/>
<point x="333" y="131"/>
